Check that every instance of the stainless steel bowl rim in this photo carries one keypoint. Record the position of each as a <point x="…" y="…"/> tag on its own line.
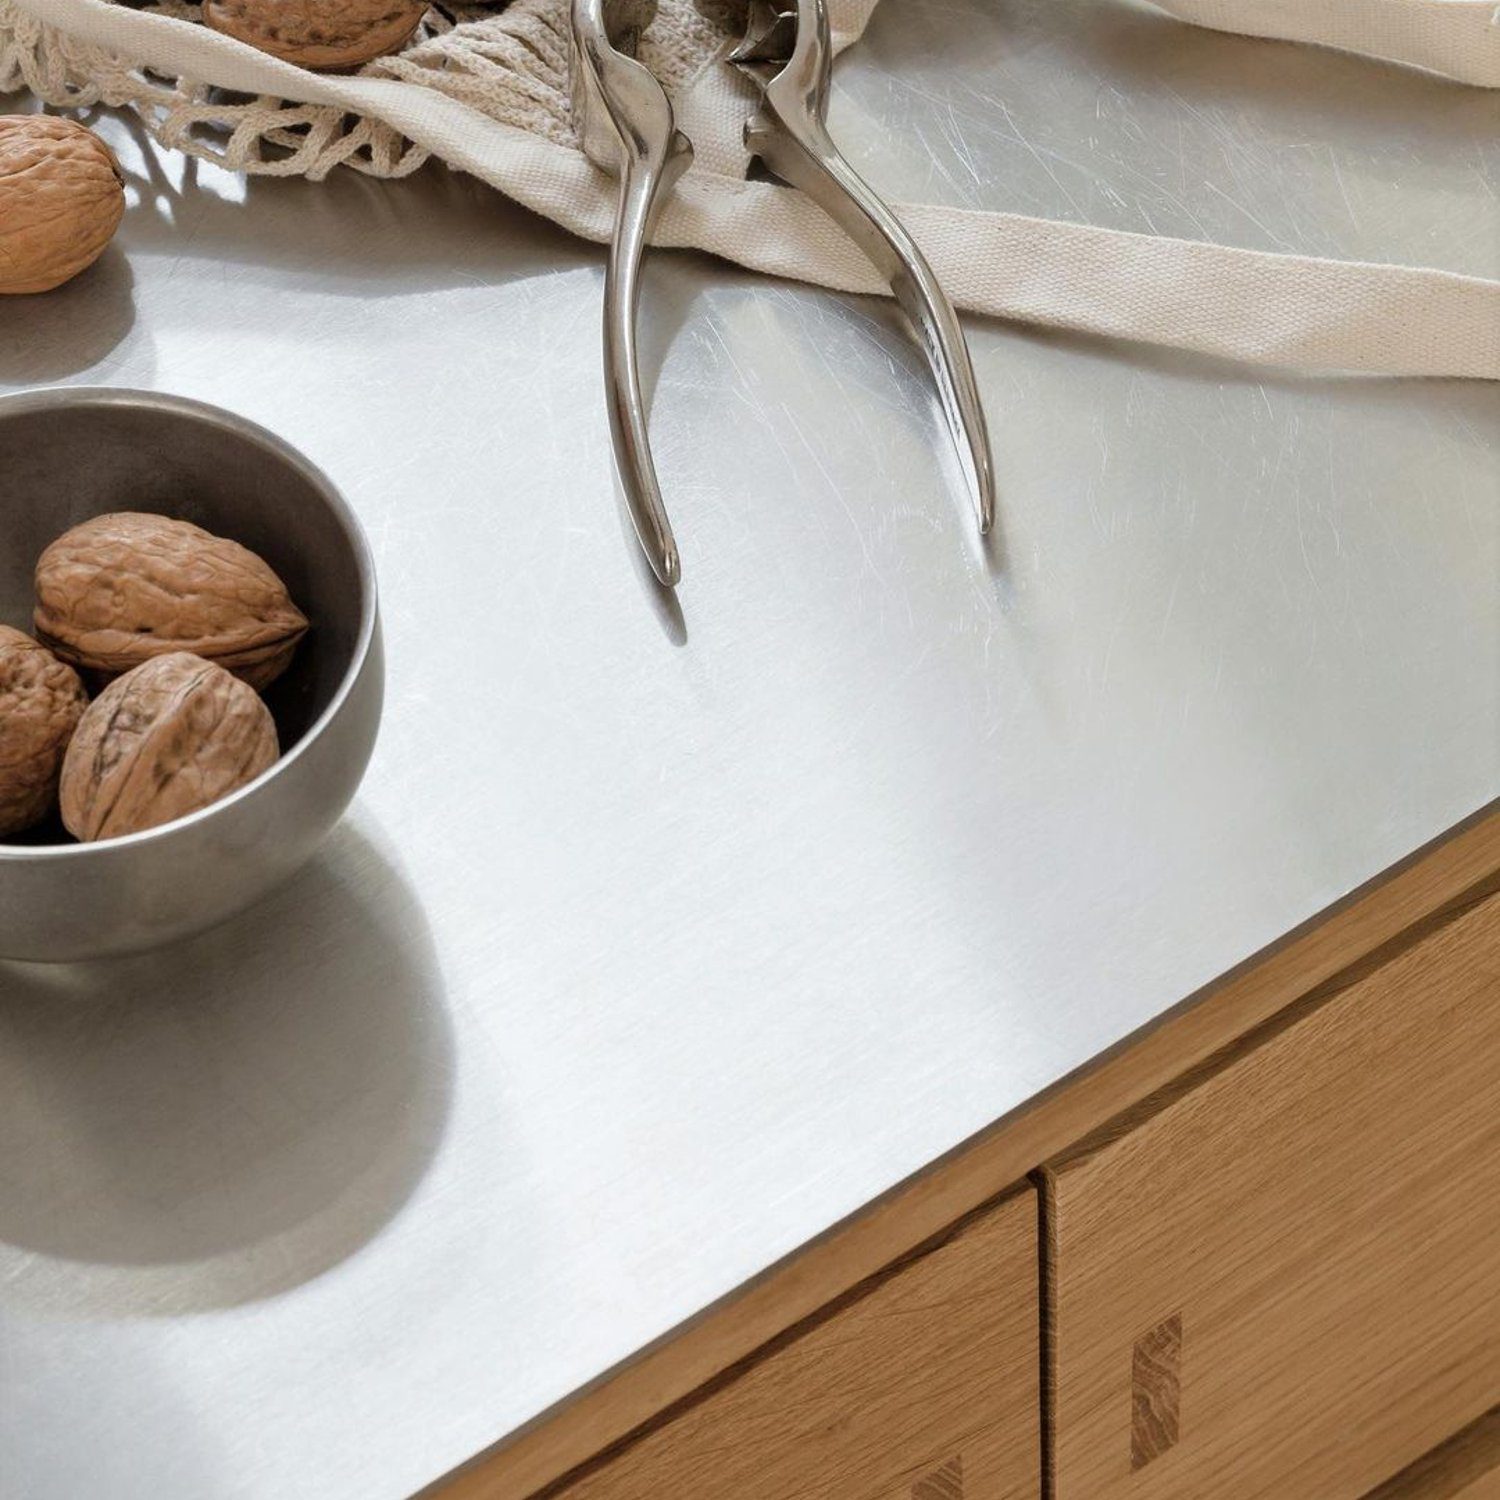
<point x="102" y="395"/>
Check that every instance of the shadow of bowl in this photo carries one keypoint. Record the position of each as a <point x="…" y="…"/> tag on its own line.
<point x="222" y="1120"/>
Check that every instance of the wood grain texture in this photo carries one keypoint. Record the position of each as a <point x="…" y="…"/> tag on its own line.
<point x="1323" y="1211"/>
<point x="1155" y="1391"/>
<point x="1466" y="1467"/>
<point x="946" y="1483"/>
<point x="634" y="1392"/>
<point x="924" y="1388"/>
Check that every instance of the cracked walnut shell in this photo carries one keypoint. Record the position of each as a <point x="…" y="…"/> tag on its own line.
<point x="41" y="702"/>
<point x="319" y="33"/>
<point x="123" y="588"/>
<point x="62" y="196"/>
<point x="173" y="736"/>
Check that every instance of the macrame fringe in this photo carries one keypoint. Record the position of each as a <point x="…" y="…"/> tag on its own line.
<point x="510" y="64"/>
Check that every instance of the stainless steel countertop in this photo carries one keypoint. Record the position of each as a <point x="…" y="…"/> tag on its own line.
<point x="664" y="937"/>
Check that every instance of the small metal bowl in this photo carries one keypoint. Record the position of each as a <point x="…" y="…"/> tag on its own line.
<point x="66" y="455"/>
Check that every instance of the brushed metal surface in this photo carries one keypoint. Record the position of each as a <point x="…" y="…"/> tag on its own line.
<point x="662" y="938"/>
<point x="68" y="454"/>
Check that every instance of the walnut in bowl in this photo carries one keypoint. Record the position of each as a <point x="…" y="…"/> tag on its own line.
<point x="41" y="702"/>
<point x="168" y="739"/>
<point x="118" y="589"/>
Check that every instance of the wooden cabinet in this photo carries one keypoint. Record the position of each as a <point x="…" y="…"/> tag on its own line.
<point x="922" y="1385"/>
<point x="1281" y="1277"/>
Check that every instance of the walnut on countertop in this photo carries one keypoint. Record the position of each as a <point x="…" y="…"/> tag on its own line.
<point x="62" y="196"/>
<point x="167" y="739"/>
<point x="122" y="588"/>
<point x="41" y="702"/>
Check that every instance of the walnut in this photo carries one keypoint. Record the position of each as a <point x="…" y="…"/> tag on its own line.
<point x="171" y="737"/>
<point x="319" y="33"/>
<point x="41" y="701"/>
<point x="62" y="196"/>
<point x="120" y="589"/>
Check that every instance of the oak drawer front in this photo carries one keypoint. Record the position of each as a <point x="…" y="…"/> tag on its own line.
<point x="1284" y="1281"/>
<point x="923" y="1388"/>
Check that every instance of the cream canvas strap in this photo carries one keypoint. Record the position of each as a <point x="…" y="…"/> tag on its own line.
<point x="1291" y="310"/>
<point x="1458" y="38"/>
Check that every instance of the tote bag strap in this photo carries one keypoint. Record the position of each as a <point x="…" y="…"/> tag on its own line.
<point x="1293" y="310"/>
<point x="1458" y="38"/>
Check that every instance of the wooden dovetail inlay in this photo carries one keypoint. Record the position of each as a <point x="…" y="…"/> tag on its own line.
<point x="946" y="1483"/>
<point x="1155" y="1391"/>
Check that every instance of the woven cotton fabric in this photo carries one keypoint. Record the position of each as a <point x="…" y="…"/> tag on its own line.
<point x="486" y="88"/>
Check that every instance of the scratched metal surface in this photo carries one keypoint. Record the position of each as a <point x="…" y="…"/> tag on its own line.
<point x="661" y="940"/>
